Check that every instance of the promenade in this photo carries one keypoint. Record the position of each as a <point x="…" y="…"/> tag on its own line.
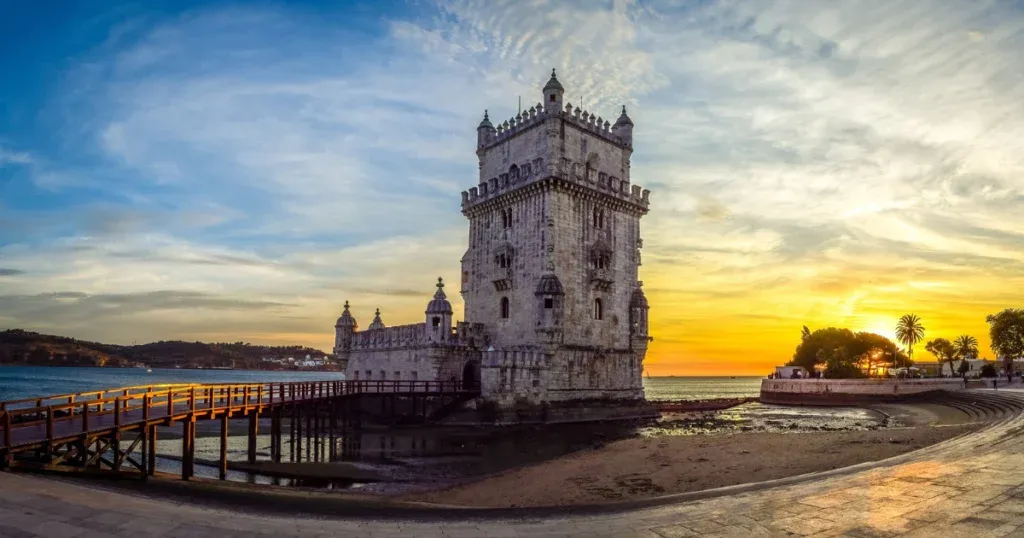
<point x="971" y="485"/>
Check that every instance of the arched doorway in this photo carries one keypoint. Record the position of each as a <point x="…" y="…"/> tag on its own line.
<point x="471" y="376"/>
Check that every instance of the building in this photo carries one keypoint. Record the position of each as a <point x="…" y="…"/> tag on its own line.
<point x="554" y="310"/>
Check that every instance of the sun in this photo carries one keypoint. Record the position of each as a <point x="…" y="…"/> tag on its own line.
<point x="881" y="328"/>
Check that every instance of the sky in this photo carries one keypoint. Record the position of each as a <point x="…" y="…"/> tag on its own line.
<point x="226" y="171"/>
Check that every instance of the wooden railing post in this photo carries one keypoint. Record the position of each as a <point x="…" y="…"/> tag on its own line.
<point x="49" y="423"/>
<point x="117" y="412"/>
<point x="192" y="399"/>
<point x="170" y="402"/>
<point x="85" y="417"/>
<point x="259" y="396"/>
<point x="7" y="429"/>
<point x="145" y="407"/>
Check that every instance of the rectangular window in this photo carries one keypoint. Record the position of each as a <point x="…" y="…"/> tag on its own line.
<point x="549" y="303"/>
<point x="369" y="375"/>
<point x="355" y="376"/>
<point x="383" y="375"/>
<point x="415" y="375"/>
<point x="398" y="375"/>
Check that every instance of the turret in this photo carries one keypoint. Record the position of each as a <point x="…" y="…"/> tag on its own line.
<point x="553" y="92"/>
<point x="623" y="128"/>
<point x="344" y="328"/>
<point x="638" y="325"/>
<point x="484" y="132"/>
<point x="377" y="323"/>
<point x="439" y="316"/>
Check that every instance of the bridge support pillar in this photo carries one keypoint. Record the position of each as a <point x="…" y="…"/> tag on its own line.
<point x="254" y="425"/>
<point x="223" y="447"/>
<point x="188" y="448"/>
<point x="151" y="455"/>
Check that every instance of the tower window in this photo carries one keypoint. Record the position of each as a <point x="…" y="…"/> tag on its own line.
<point x="552" y="99"/>
<point x="598" y="218"/>
<point x="436" y="322"/>
<point x="549" y="303"/>
<point x="598" y="309"/>
<point x="504" y="308"/>
<point x="506" y="218"/>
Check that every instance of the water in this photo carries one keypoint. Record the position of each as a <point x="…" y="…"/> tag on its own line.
<point x="18" y="382"/>
<point x="701" y="388"/>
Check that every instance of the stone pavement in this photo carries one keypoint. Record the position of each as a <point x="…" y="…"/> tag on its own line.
<point x="971" y="485"/>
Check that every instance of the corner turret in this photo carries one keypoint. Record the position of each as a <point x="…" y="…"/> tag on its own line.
<point x="484" y="132"/>
<point x="638" y="323"/>
<point x="553" y="92"/>
<point x="439" y="316"/>
<point x="344" y="328"/>
<point x="623" y="128"/>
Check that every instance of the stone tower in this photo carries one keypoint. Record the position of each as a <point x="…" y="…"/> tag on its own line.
<point x="554" y="232"/>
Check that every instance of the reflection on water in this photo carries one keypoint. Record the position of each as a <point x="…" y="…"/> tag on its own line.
<point x="401" y="460"/>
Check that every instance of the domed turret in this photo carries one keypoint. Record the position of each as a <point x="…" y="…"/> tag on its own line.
<point x="553" y="92"/>
<point x="377" y="323"/>
<point x="623" y="128"/>
<point x="484" y="132"/>
<point x="638" y="308"/>
<point x="344" y="328"/>
<point x="439" y="304"/>
<point x="439" y="316"/>
<point x="346" y="320"/>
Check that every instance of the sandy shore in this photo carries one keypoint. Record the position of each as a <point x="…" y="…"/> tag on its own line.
<point x="645" y="467"/>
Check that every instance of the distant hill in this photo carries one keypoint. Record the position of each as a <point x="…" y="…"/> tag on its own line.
<point x="25" y="347"/>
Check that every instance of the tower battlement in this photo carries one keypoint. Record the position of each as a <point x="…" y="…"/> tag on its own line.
<point x="551" y="142"/>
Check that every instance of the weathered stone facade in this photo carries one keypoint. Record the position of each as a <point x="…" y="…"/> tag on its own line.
<point x="553" y="306"/>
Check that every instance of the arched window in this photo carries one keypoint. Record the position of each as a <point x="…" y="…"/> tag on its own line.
<point x="598" y="309"/>
<point x="504" y="308"/>
<point x="436" y="321"/>
<point x="506" y="218"/>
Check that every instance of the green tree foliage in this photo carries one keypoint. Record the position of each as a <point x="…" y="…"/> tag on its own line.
<point x="843" y="352"/>
<point x="1006" y="330"/>
<point x="966" y="347"/>
<point x="943" y="350"/>
<point x="819" y="345"/>
<point x="909" y="331"/>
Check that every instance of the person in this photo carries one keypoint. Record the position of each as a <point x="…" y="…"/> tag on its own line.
<point x="965" y="380"/>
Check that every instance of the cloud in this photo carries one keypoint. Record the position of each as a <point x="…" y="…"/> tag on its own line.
<point x="10" y="272"/>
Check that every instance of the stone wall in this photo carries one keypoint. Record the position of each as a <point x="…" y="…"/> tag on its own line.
<point x="849" y="391"/>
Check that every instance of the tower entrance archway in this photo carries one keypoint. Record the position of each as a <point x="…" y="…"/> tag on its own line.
<point x="471" y="375"/>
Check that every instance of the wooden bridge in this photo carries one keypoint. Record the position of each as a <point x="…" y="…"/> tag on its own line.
<point x="105" y="430"/>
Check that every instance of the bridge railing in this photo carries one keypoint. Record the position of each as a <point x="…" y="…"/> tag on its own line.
<point x="173" y="400"/>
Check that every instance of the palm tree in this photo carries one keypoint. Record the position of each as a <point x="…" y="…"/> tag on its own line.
<point x="966" y="347"/>
<point x="909" y="332"/>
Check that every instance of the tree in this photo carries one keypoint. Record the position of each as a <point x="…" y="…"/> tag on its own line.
<point x="1006" y="330"/>
<point x="805" y="334"/>
<point x="964" y="367"/>
<point x="874" y="350"/>
<point x="966" y="347"/>
<point x="909" y="332"/>
<point x="819" y="345"/>
<point x="944" y="351"/>
<point x="987" y="370"/>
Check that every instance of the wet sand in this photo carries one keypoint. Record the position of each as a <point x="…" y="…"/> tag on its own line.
<point x="652" y="466"/>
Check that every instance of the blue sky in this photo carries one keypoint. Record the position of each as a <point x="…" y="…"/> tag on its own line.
<point x="236" y="170"/>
